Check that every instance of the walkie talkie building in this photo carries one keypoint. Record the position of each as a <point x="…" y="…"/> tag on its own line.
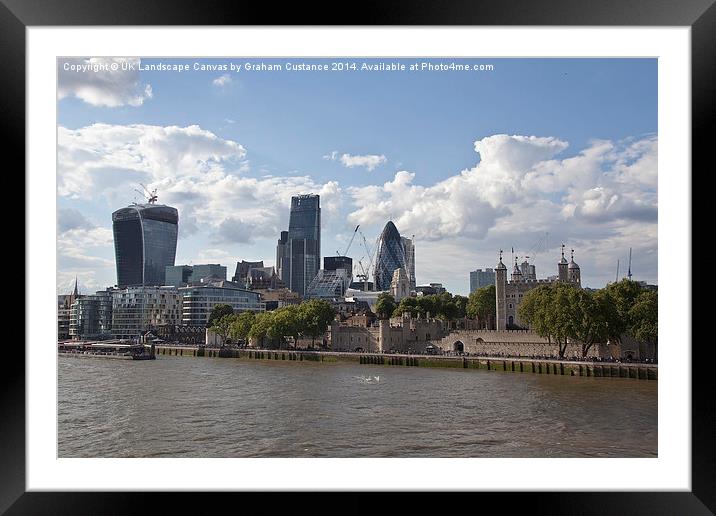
<point x="145" y="243"/>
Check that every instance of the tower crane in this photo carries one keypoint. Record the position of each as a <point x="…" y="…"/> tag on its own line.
<point x="368" y="251"/>
<point x="150" y="195"/>
<point x="345" y="253"/>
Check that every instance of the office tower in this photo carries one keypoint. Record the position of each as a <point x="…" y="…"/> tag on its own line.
<point x="480" y="278"/>
<point x="182" y="275"/>
<point x="333" y="263"/>
<point x="145" y="242"/>
<point x="199" y="300"/>
<point x="390" y="256"/>
<point x="281" y="254"/>
<point x="304" y="242"/>
<point x="409" y="250"/>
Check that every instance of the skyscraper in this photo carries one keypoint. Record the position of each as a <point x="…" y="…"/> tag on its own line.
<point x="409" y="249"/>
<point x="390" y="256"/>
<point x="282" y="254"/>
<point x="304" y="243"/>
<point x="480" y="278"/>
<point x="145" y="242"/>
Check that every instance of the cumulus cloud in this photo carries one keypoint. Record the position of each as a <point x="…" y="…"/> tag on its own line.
<point x="222" y="81"/>
<point x="83" y="249"/>
<point x="102" y="81"/>
<point x="520" y="184"/>
<point x="102" y="157"/>
<point x="367" y="161"/>
<point x="193" y="169"/>
<point x="69" y="218"/>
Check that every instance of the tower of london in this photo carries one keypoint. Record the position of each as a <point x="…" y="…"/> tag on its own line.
<point x="509" y="293"/>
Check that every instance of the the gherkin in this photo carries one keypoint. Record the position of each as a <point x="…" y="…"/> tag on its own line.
<point x="390" y="256"/>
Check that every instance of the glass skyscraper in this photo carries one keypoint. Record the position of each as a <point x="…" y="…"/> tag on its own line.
<point x="304" y="243"/>
<point x="390" y="256"/>
<point x="145" y="243"/>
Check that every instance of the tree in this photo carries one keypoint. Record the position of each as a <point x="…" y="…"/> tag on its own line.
<point x="260" y="328"/>
<point x="590" y="318"/>
<point x="644" y="317"/>
<point x="548" y="309"/>
<point x="286" y="322"/>
<point x="222" y="327"/>
<point x="408" y="305"/>
<point x="623" y="295"/>
<point x="315" y="316"/>
<point x="218" y="312"/>
<point x="385" y="306"/>
<point x="241" y="325"/>
<point x="481" y="304"/>
<point x="461" y="304"/>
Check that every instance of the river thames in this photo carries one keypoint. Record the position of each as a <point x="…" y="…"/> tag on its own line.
<point x="214" y="407"/>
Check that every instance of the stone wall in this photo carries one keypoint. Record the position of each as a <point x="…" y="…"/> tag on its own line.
<point x="523" y="343"/>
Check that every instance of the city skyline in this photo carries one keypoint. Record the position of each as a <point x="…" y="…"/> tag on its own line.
<point x="481" y="165"/>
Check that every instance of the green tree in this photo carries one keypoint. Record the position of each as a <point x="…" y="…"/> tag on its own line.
<point x="260" y="328"/>
<point x="590" y="314"/>
<point x="408" y="305"/>
<point x="222" y="327"/>
<point x="428" y="305"/>
<point x="461" y="304"/>
<point x="549" y="310"/>
<point x="315" y="316"/>
<point x="623" y="295"/>
<point x="481" y="304"/>
<point x="218" y="312"/>
<point x="644" y="317"/>
<point x="385" y="306"/>
<point x="286" y="322"/>
<point x="241" y="325"/>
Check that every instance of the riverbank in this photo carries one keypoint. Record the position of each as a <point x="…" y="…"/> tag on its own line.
<point x="636" y="371"/>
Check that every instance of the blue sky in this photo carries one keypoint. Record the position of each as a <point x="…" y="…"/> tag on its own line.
<point x="468" y="161"/>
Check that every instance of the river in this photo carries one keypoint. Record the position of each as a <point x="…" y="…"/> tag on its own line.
<point x="214" y="407"/>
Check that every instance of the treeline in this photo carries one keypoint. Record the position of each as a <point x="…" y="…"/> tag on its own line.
<point x="445" y="306"/>
<point x="308" y="319"/>
<point x="564" y="313"/>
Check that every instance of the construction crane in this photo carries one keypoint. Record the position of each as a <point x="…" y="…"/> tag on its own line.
<point x="367" y="250"/>
<point x="150" y="195"/>
<point x="345" y="253"/>
<point x="363" y="276"/>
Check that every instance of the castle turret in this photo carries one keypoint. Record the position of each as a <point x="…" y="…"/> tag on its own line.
<point x="500" y="301"/>
<point x="562" y="267"/>
<point x="383" y="335"/>
<point x="574" y="273"/>
<point x="516" y="272"/>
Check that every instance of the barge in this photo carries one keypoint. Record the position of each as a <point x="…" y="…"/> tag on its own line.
<point x="116" y="349"/>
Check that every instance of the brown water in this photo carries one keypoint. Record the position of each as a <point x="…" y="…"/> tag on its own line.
<point x="213" y="407"/>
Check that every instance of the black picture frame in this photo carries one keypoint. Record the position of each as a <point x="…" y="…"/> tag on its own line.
<point x="700" y="15"/>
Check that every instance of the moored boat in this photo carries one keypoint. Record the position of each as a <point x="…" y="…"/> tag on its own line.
<point x="115" y="349"/>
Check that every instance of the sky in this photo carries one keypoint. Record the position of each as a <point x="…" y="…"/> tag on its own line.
<point x="527" y="155"/>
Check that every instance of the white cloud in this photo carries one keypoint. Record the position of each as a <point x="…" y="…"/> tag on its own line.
<point x="521" y="189"/>
<point x="193" y="169"/>
<point x="102" y="81"/>
<point x="102" y="158"/>
<point x="367" y="161"/>
<point x="222" y="81"/>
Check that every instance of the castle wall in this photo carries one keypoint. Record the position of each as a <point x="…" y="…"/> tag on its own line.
<point x="523" y="343"/>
